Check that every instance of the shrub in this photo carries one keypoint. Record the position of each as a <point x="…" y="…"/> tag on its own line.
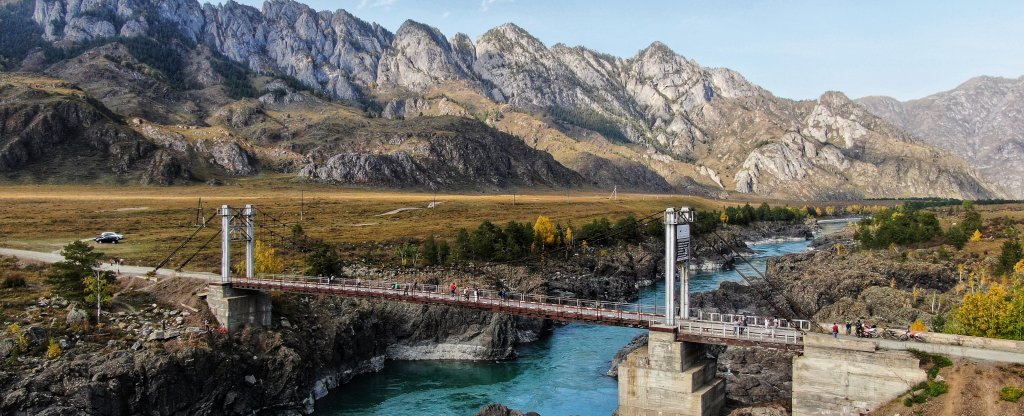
<point x="1011" y="394"/>
<point x="11" y="282"/>
<point x="20" y="340"/>
<point x="918" y="326"/>
<point x="53" y="351"/>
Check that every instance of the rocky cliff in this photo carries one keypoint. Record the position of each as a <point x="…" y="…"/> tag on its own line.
<point x="654" y="121"/>
<point x="981" y="120"/>
<point x="316" y="345"/>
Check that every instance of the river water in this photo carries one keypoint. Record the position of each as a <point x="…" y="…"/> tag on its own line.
<point x="562" y="374"/>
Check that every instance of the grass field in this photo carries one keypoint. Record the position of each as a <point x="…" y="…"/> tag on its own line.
<point x="156" y="219"/>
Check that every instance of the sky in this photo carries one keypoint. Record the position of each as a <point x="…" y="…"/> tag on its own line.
<point x="796" y="49"/>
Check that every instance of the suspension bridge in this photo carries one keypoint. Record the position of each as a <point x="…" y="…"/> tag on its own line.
<point x="673" y="375"/>
<point x="241" y="300"/>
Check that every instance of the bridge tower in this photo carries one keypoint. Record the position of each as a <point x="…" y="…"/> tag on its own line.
<point x="677" y="250"/>
<point x="671" y="377"/>
<point x="235" y="308"/>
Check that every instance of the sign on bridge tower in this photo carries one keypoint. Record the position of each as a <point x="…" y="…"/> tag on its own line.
<point x="240" y="226"/>
<point x="677" y="250"/>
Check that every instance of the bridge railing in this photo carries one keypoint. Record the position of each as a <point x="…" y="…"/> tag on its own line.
<point x="752" y="320"/>
<point x="699" y="321"/>
<point x="583" y="308"/>
<point x="751" y="333"/>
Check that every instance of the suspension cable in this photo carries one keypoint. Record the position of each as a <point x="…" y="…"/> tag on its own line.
<point x="183" y="243"/>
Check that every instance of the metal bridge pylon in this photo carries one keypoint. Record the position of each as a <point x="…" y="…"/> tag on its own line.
<point x="238" y="225"/>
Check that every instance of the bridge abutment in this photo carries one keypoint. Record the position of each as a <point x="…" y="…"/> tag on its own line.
<point x="669" y="378"/>
<point x="236" y="308"/>
<point x="849" y="377"/>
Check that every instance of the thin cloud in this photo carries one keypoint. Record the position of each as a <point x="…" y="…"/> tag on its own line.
<point x="485" y="5"/>
<point x="446" y="14"/>
<point x="375" y="4"/>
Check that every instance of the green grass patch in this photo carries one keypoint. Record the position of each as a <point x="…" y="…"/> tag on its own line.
<point x="1011" y="394"/>
<point x="934" y="362"/>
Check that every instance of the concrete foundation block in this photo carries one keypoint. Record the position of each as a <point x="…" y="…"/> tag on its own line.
<point x="237" y="308"/>
<point x="669" y="378"/>
<point x="848" y="378"/>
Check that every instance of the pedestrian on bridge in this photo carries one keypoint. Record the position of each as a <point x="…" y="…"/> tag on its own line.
<point x="453" y="287"/>
<point x="849" y="327"/>
<point x="835" y="330"/>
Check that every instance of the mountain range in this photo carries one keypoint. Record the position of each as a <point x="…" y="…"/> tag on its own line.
<point x="203" y="92"/>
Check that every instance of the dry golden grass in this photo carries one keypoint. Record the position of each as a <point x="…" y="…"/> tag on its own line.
<point x="155" y="220"/>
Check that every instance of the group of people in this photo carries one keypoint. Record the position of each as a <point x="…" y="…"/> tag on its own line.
<point x="863" y="329"/>
<point x="741" y="322"/>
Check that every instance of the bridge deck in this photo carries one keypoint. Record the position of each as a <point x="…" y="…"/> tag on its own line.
<point x="708" y="328"/>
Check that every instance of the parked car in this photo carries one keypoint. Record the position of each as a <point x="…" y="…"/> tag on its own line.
<point x="109" y="237"/>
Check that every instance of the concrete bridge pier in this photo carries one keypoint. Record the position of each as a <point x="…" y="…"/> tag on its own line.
<point x="236" y="308"/>
<point x="669" y="378"/>
<point x="846" y="377"/>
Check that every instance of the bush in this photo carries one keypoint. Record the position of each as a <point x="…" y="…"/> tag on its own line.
<point x="11" y="282"/>
<point x="53" y="350"/>
<point x="1011" y="394"/>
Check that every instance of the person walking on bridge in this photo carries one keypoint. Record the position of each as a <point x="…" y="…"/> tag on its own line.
<point x="849" y="326"/>
<point x="835" y="330"/>
<point x="453" y="287"/>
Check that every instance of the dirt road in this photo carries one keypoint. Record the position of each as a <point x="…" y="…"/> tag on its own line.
<point x="122" y="269"/>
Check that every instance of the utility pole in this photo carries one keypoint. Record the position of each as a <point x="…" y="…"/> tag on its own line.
<point x="199" y="214"/>
<point x="615" y="193"/>
<point x="513" y="199"/>
<point x="302" y="204"/>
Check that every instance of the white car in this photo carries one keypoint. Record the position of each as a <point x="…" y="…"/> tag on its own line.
<point x="109" y="237"/>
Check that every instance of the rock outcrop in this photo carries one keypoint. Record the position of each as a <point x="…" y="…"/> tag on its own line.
<point x="454" y="153"/>
<point x="317" y="345"/>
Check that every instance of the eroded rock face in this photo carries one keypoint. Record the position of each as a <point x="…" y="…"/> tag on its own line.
<point x="842" y="151"/>
<point x="33" y="128"/>
<point x="756" y="375"/>
<point x="470" y="156"/>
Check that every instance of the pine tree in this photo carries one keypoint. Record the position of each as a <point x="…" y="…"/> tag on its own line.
<point x="68" y="276"/>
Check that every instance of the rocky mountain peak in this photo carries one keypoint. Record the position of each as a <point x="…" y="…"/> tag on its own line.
<point x="511" y="37"/>
<point x="421" y="57"/>
<point x="834" y="99"/>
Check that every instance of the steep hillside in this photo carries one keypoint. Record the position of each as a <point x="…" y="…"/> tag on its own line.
<point x="655" y="121"/>
<point x="981" y="119"/>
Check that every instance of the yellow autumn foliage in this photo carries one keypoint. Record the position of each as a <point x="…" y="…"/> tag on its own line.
<point x="54" y="350"/>
<point x="544" y="230"/>
<point x="976" y="237"/>
<point x="984" y="313"/>
<point x="918" y="326"/>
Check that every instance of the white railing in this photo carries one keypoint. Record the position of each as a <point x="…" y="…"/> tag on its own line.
<point x="752" y="320"/>
<point x="750" y="333"/>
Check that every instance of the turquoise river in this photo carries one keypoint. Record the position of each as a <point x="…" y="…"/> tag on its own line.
<point x="562" y="374"/>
